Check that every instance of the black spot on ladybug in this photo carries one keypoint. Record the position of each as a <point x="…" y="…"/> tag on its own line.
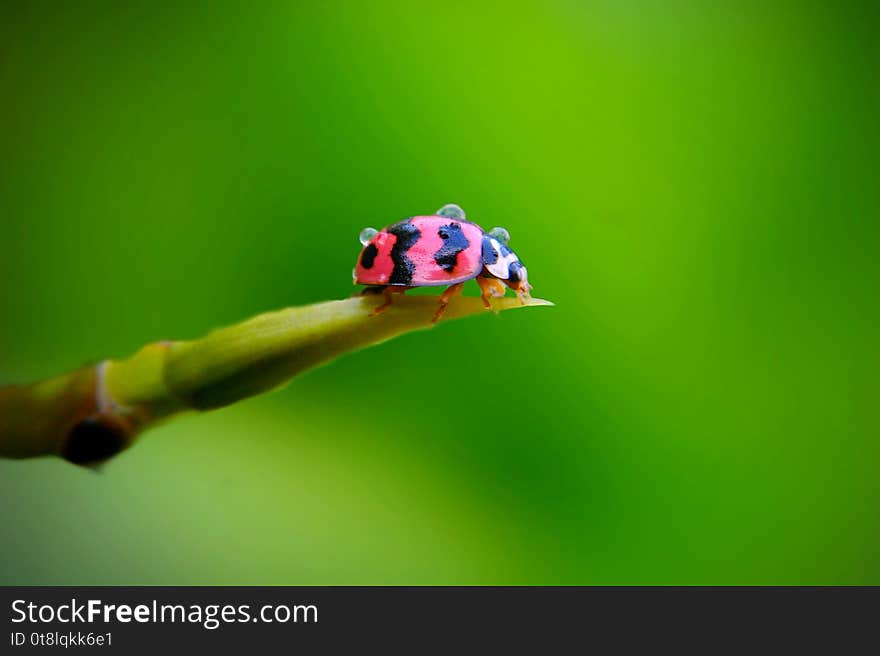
<point x="490" y="255"/>
<point x="454" y="242"/>
<point x="407" y="235"/>
<point x="369" y="256"/>
<point x="513" y="273"/>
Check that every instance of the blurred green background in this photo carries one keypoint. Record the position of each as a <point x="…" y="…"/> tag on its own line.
<point x="695" y="187"/>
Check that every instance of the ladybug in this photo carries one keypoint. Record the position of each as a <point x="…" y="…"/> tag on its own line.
<point x="442" y="249"/>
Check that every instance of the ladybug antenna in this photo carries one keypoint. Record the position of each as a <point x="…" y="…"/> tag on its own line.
<point x="501" y="235"/>
<point x="452" y="211"/>
<point x="366" y="235"/>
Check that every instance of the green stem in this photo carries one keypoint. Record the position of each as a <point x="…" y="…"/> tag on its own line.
<point x="91" y="414"/>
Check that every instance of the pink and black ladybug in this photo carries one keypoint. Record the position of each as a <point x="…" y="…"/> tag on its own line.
<point x="443" y="249"/>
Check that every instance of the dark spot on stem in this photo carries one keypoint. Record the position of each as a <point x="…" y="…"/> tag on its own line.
<point x="92" y="440"/>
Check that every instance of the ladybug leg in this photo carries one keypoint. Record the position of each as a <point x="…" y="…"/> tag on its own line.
<point x="490" y="287"/>
<point x="368" y="291"/>
<point x="388" y="292"/>
<point x="445" y="297"/>
<point x="522" y="290"/>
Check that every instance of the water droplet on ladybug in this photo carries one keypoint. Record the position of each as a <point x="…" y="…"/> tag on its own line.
<point x="367" y="234"/>
<point x="501" y="235"/>
<point x="452" y="211"/>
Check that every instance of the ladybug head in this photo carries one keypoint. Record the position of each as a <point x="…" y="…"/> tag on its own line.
<point x="499" y="261"/>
